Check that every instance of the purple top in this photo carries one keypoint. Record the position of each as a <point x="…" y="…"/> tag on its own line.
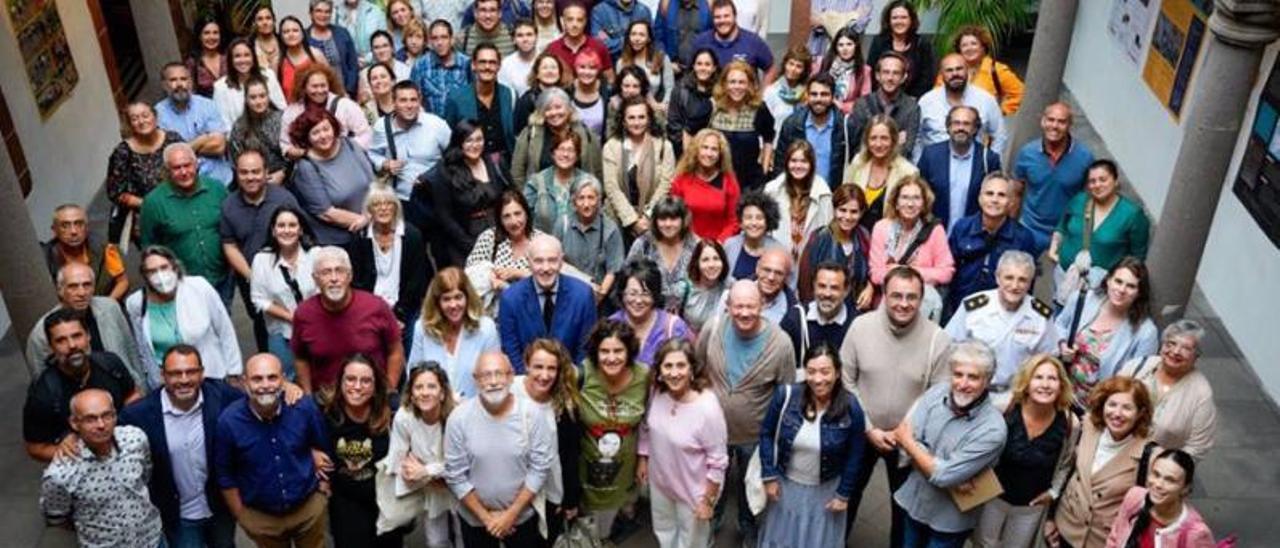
<point x="665" y="326"/>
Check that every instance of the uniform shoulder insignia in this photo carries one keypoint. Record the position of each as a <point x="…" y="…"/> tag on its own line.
<point x="1041" y="308"/>
<point x="976" y="301"/>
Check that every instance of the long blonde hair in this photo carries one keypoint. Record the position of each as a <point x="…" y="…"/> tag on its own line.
<point x="689" y="161"/>
<point x="434" y="323"/>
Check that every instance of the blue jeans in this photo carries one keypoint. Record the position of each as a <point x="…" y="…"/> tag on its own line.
<point x="218" y="531"/>
<point x="916" y="534"/>
<point x="279" y="346"/>
<point x="739" y="456"/>
<point x="226" y="288"/>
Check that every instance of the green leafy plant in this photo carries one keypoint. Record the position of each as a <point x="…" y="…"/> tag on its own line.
<point x="1001" y="17"/>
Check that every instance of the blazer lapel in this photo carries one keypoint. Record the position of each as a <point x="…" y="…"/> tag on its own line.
<point x="1087" y="450"/>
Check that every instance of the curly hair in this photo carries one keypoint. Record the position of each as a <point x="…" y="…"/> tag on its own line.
<point x="689" y="160"/>
<point x="300" y="129"/>
<point x="763" y="202"/>
<point x="699" y="380"/>
<point x="333" y="400"/>
<point x="1021" y="385"/>
<point x="720" y="94"/>
<point x="304" y="74"/>
<point x="891" y="201"/>
<point x="1121" y="385"/>
<point x="612" y="329"/>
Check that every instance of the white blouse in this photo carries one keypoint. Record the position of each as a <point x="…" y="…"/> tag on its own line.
<point x="268" y="286"/>
<point x="230" y="101"/>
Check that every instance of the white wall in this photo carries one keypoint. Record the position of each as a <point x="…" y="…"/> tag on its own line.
<point x="1240" y="265"/>
<point x="67" y="153"/>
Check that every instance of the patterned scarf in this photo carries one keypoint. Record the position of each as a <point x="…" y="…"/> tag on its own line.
<point x="898" y="241"/>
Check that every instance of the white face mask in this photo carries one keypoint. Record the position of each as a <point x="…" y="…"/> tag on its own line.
<point x="164" y="282"/>
<point x="495" y="397"/>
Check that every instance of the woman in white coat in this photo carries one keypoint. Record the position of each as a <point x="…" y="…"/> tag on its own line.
<point x="173" y="308"/>
<point x="803" y="197"/>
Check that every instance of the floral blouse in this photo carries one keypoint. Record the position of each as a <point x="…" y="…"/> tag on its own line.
<point x="129" y="172"/>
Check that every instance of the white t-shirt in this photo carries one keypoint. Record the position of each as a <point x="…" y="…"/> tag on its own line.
<point x="515" y="73"/>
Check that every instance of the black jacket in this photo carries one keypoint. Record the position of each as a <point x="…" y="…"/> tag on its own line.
<point x="414" y="269"/>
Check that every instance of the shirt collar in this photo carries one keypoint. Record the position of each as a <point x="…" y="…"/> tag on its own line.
<point x="961" y="157"/>
<point x="369" y="230"/>
<point x="815" y="316"/>
<point x="276" y="417"/>
<point x="808" y="122"/>
<point x="168" y="408"/>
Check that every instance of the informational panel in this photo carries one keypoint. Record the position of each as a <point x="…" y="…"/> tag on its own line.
<point x="45" y="54"/>
<point x="1130" y="26"/>
<point x="1175" y="41"/>
<point x="1256" y="182"/>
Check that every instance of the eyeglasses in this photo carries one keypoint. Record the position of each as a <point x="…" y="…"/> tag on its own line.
<point x="491" y="376"/>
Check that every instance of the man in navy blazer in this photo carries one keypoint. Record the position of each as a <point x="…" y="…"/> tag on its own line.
<point x="523" y="313"/>
<point x="180" y="420"/>
<point x="960" y="154"/>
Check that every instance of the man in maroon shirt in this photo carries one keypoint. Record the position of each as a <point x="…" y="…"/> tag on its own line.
<point x="573" y="19"/>
<point x="340" y="321"/>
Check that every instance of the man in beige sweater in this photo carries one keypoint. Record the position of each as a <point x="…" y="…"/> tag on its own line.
<point x="746" y="358"/>
<point x="890" y="357"/>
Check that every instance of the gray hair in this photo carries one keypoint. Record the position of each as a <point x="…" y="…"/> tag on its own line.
<point x="1016" y="258"/>
<point x="167" y="254"/>
<point x="972" y="352"/>
<point x="174" y="148"/>
<point x="584" y="183"/>
<point x="60" y="278"/>
<point x="379" y="193"/>
<point x="330" y="253"/>
<point x="1184" y="328"/>
<point x="555" y="94"/>
<point x="312" y="5"/>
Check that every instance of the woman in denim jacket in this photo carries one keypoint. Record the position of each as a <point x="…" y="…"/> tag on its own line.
<point x="809" y="443"/>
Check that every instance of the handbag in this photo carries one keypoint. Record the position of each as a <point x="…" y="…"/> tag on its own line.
<point x="393" y="511"/>
<point x="752" y="482"/>
<point x="579" y="534"/>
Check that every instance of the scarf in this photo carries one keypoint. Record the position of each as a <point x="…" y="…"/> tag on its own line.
<point x="893" y="244"/>
<point x="964" y="410"/>
<point x="841" y="71"/>
<point x="789" y="95"/>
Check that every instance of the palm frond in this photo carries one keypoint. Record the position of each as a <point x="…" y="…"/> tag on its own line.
<point x="1001" y="17"/>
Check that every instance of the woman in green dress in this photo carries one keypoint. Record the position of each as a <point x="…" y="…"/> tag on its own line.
<point x="1117" y="226"/>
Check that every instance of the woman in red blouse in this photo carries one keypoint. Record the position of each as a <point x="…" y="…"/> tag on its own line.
<point x="705" y="180"/>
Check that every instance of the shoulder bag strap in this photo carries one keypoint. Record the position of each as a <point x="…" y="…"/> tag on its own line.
<point x="995" y="81"/>
<point x="921" y="238"/>
<point x="333" y="105"/>
<point x="804" y="333"/>
<point x="292" y="283"/>
<point x="391" y="139"/>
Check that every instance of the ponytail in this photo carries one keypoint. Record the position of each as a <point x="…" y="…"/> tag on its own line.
<point x="1141" y="521"/>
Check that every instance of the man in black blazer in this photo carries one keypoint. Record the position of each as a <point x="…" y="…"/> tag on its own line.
<point x="961" y="154"/>
<point x="180" y="420"/>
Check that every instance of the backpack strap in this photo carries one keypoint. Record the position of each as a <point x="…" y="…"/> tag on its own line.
<point x="391" y="139"/>
<point x="804" y="333"/>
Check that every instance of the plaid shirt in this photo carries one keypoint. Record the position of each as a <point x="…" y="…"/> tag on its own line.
<point x="436" y="80"/>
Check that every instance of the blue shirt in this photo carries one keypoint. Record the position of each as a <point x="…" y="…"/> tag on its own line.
<point x="436" y="80"/>
<point x="420" y="145"/>
<point x="270" y="461"/>
<point x="740" y="354"/>
<point x="199" y="118"/>
<point x="961" y="173"/>
<point x="820" y="138"/>
<point x="1049" y="186"/>
<point x="747" y="46"/>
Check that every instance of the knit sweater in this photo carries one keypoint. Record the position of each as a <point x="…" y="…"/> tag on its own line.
<point x="888" y="367"/>
<point x="745" y="404"/>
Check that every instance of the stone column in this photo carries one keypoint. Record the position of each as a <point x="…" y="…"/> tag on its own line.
<point x="24" y="279"/>
<point x="799" y="29"/>
<point x="1219" y="95"/>
<point x="1044" y="70"/>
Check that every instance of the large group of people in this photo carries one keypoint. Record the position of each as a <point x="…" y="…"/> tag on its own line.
<point x="520" y="269"/>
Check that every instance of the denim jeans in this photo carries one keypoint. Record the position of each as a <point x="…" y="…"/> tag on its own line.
<point x="916" y="534"/>
<point x="739" y="456"/>
<point x="218" y="531"/>
<point x="279" y="346"/>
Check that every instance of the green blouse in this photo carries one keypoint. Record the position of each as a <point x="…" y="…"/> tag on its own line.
<point x="1125" y="231"/>
<point x="610" y="437"/>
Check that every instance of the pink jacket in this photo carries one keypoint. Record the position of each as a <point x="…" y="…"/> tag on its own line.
<point x="1189" y="531"/>
<point x="932" y="259"/>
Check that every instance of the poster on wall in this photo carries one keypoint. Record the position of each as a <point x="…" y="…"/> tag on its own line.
<point x="1176" y="40"/>
<point x="45" y="53"/>
<point x="1259" y="175"/>
<point x="1129" y="26"/>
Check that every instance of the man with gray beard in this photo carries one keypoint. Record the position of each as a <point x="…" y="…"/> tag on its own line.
<point x="498" y="452"/>
<point x="72" y="367"/>
<point x="264" y="464"/>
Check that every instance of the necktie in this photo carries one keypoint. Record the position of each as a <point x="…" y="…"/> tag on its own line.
<point x="548" y="308"/>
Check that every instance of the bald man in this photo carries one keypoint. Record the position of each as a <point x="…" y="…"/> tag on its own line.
<point x="773" y="271"/>
<point x="1051" y="170"/>
<point x="498" y="454"/>
<point x="103" y="489"/>
<point x="280" y="504"/>
<point x="108" y="328"/>
<point x="545" y="305"/>
<point x="746" y="358"/>
<point x="957" y="91"/>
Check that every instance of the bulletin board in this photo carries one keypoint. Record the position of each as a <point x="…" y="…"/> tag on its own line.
<point x="1130" y="26"/>
<point x="1176" y="42"/>
<point x="1259" y="175"/>
<point x="43" y="43"/>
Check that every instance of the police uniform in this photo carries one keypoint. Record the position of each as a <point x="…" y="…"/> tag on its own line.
<point x="1013" y="336"/>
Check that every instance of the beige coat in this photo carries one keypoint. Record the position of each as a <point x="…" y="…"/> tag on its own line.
<point x="657" y="169"/>
<point x="1185" y="417"/>
<point x="1089" y="501"/>
<point x="745" y="404"/>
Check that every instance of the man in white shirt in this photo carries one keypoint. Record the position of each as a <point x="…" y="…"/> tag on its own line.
<point x="409" y="141"/>
<point x="956" y="91"/>
<point x="517" y="66"/>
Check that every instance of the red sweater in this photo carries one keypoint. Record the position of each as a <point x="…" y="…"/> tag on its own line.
<point x="714" y="210"/>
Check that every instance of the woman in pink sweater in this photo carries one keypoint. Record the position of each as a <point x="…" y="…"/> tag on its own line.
<point x="682" y="450"/>
<point x="1158" y="514"/>
<point x="908" y="234"/>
